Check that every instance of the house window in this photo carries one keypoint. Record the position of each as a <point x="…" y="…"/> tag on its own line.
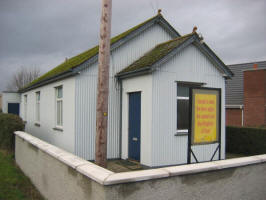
<point x="25" y="107"/>
<point x="59" y="106"/>
<point x="38" y="97"/>
<point x="183" y="106"/>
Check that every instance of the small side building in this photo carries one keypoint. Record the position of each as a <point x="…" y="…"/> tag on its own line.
<point x="11" y="102"/>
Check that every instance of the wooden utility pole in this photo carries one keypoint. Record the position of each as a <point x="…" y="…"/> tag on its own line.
<point x="103" y="85"/>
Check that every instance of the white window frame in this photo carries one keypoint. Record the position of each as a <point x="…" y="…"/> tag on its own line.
<point x="189" y="85"/>
<point x="59" y="109"/>
<point x="38" y="107"/>
<point x="181" y="131"/>
<point x="25" y="106"/>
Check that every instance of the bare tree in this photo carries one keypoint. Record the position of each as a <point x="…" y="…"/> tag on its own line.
<point x="22" y="78"/>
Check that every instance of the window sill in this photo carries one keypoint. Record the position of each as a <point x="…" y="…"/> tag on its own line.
<point x="37" y="124"/>
<point x="181" y="134"/>
<point x="58" y="129"/>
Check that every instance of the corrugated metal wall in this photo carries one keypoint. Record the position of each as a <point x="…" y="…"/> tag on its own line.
<point x="86" y="85"/>
<point x="189" y="65"/>
<point x="63" y="139"/>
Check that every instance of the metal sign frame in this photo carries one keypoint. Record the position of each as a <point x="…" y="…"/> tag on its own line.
<point x="190" y="144"/>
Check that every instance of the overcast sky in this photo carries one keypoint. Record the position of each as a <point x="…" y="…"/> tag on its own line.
<point x="42" y="33"/>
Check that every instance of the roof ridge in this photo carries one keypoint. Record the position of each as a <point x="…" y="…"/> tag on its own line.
<point x="80" y="58"/>
<point x="175" y="39"/>
<point x="116" y="38"/>
<point x="252" y="62"/>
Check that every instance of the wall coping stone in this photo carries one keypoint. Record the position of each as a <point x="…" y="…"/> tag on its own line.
<point x="72" y="160"/>
<point x="107" y="177"/>
<point x="141" y="175"/>
<point x="95" y="172"/>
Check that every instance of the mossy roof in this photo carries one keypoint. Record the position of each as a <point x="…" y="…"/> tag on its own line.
<point x="156" y="54"/>
<point x="75" y="61"/>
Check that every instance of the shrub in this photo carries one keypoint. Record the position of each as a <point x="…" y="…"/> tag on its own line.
<point x="247" y="141"/>
<point x="9" y="123"/>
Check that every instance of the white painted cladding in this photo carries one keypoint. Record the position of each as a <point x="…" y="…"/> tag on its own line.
<point x="9" y="97"/>
<point x="188" y="65"/>
<point x="86" y="86"/>
<point x="159" y="145"/>
<point x="63" y="139"/>
<point x="141" y="84"/>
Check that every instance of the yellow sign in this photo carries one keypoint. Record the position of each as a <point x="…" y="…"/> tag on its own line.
<point x="205" y="117"/>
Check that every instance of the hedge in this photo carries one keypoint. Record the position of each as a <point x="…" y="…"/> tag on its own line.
<point x="9" y="123"/>
<point x="247" y="141"/>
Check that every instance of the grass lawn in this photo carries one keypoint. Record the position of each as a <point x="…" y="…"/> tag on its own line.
<point x="14" y="185"/>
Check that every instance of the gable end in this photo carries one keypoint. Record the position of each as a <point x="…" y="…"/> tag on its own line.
<point x="143" y="66"/>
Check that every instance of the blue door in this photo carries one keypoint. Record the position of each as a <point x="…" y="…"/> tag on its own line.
<point x="134" y="126"/>
<point x="13" y="108"/>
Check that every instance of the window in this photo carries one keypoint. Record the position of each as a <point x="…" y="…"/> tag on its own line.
<point x="183" y="106"/>
<point x="38" y="97"/>
<point x="59" y="106"/>
<point x="25" y="107"/>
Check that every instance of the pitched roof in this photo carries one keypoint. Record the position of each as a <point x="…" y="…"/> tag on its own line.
<point x="164" y="51"/>
<point x="234" y="91"/>
<point x="156" y="54"/>
<point x="74" y="62"/>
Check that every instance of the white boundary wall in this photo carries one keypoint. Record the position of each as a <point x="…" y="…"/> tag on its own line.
<point x="60" y="175"/>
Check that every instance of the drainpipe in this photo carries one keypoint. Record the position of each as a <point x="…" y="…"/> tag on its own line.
<point x="242" y="115"/>
<point x="120" y="118"/>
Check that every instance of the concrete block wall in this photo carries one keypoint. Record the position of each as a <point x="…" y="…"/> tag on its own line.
<point x="245" y="183"/>
<point x="60" y="175"/>
<point x="255" y="97"/>
<point x="46" y="166"/>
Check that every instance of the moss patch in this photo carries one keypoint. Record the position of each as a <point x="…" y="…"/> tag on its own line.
<point x="156" y="54"/>
<point x="79" y="59"/>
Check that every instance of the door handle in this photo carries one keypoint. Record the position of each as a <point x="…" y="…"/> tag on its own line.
<point x="135" y="139"/>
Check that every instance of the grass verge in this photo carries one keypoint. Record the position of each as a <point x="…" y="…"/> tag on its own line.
<point x="14" y="185"/>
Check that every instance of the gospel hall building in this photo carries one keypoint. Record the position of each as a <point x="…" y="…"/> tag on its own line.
<point x="152" y="117"/>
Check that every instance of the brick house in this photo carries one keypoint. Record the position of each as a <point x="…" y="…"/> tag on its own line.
<point x="246" y="95"/>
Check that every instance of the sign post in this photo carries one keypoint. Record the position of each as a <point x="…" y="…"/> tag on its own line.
<point x="205" y="119"/>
